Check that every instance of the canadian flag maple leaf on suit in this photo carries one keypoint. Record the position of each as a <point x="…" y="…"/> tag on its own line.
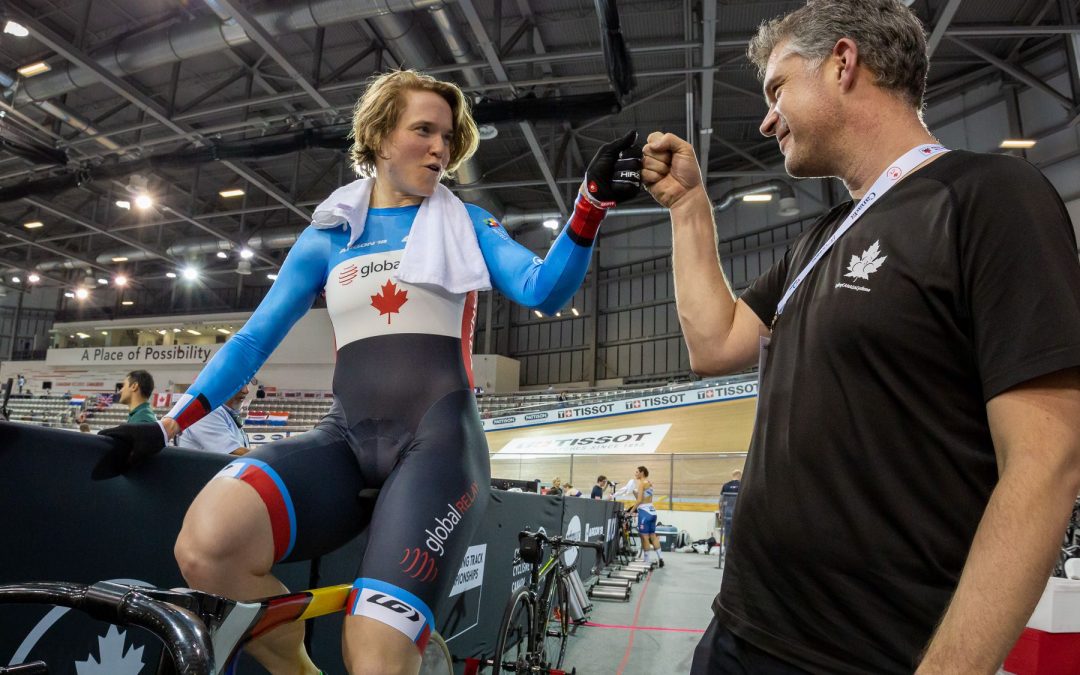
<point x="389" y="300"/>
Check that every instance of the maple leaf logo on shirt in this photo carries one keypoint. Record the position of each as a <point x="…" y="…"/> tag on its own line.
<point x="862" y="268"/>
<point x="390" y="300"/>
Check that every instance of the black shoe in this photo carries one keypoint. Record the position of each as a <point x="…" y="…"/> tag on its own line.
<point x="661" y="562"/>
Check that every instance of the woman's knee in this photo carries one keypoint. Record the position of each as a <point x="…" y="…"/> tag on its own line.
<point x="374" y="648"/>
<point x="226" y="526"/>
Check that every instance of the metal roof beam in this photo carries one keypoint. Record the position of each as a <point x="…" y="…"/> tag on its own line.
<point x="491" y="55"/>
<point x="944" y="18"/>
<point x="1019" y="73"/>
<point x="76" y="56"/>
<point x="262" y="37"/>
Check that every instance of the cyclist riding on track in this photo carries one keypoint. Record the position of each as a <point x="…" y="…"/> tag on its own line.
<point x="400" y="260"/>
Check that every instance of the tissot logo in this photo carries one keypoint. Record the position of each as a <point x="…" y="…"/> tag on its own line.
<point x="894" y="173"/>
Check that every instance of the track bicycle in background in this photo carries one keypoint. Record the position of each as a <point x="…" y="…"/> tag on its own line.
<point x="536" y="623"/>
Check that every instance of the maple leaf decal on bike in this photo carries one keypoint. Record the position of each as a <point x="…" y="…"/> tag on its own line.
<point x="863" y="267"/>
<point x="390" y="300"/>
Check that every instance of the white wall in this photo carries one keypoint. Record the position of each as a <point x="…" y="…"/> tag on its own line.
<point x="698" y="523"/>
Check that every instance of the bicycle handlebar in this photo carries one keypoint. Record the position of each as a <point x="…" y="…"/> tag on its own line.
<point x="183" y="633"/>
<point x="559" y="542"/>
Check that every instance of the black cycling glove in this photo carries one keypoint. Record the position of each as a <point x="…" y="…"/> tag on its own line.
<point x="132" y="444"/>
<point x="614" y="174"/>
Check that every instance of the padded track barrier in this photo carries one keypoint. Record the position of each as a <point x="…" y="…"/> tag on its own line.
<point x="58" y="525"/>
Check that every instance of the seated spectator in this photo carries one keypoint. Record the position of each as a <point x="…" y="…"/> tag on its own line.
<point x="135" y="393"/>
<point x="220" y="431"/>
<point x="260" y="392"/>
<point x="571" y="491"/>
<point x="556" y="487"/>
<point x="84" y="428"/>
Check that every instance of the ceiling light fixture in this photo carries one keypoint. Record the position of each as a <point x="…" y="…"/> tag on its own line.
<point x="82" y="335"/>
<point x="190" y="273"/>
<point x="235" y="192"/>
<point x="15" y="280"/>
<point x="143" y="201"/>
<point x="120" y="258"/>
<point x="16" y="29"/>
<point x="271" y="276"/>
<point x="103" y="281"/>
<point x="33" y="224"/>
<point x="551" y="224"/>
<point x="127" y="303"/>
<point x="82" y="293"/>
<point x="222" y="254"/>
<point x="123" y="204"/>
<point x="538" y="314"/>
<point x="1017" y="144"/>
<point x="32" y="69"/>
<point x="757" y="198"/>
<point x="225" y="331"/>
<point x="120" y="280"/>
<point x="573" y="310"/>
<point x="69" y="294"/>
<point x="193" y="331"/>
<point x="170" y="275"/>
<point x="247" y="253"/>
<point x="33" y="278"/>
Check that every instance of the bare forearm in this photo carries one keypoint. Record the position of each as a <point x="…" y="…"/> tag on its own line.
<point x="703" y="296"/>
<point x="1010" y="559"/>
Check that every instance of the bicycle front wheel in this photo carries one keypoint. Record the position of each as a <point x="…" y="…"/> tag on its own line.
<point x="515" y="635"/>
<point x="558" y="623"/>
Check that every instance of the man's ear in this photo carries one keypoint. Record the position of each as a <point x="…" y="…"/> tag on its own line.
<point x="845" y="63"/>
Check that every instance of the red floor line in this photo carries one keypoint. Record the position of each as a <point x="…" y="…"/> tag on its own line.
<point x="673" y="630"/>
<point x="637" y="612"/>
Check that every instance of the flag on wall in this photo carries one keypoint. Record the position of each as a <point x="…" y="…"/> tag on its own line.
<point x="256" y="417"/>
<point x="277" y="419"/>
<point x="76" y="400"/>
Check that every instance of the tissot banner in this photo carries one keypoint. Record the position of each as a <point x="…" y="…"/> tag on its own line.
<point x="719" y="392"/>
<point x="629" y="440"/>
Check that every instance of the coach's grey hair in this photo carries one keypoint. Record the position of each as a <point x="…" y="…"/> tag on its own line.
<point x="891" y="40"/>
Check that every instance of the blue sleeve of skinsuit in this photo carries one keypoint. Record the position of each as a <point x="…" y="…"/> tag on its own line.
<point x="302" y="276"/>
<point x="545" y="284"/>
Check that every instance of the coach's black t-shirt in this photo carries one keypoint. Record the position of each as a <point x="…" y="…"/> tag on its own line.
<point x="871" y="461"/>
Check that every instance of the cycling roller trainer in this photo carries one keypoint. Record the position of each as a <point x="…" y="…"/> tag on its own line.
<point x="404" y="419"/>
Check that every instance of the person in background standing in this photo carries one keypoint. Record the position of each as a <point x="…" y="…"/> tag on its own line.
<point x="135" y="393"/>
<point x="600" y="487"/>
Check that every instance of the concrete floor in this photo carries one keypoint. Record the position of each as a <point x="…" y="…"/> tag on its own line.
<point x="678" y="596"/>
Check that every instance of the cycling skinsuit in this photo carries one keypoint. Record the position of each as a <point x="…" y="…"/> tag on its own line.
<point x="646" y="514"/>
<point x="404" y="420"/>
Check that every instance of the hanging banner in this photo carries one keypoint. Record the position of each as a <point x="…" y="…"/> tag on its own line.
<point x="631" y="440"/>
<point x="717" y="392"/>
<point x="144" y="354"/>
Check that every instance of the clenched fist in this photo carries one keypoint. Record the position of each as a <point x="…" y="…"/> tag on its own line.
<point x="669" y="169"/>
<point x="614" y="174"/>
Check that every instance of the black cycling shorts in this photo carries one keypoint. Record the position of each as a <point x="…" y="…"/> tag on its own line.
<point x="433" y="486"/>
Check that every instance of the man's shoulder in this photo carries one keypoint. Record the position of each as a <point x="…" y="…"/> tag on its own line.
<point x="963" y="168"/>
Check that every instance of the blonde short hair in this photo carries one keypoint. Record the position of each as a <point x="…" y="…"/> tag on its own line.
<point x="377" y="112"/>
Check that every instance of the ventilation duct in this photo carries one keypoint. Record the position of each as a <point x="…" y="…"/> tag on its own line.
<point x="205" y="35"/>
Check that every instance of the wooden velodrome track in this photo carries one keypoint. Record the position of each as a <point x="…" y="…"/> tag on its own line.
<point x="679" y="468"/>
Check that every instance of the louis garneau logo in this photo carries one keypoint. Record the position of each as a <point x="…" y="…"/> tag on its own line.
<point x="861" y="267"/>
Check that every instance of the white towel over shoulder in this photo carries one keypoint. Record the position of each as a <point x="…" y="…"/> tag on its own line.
<point x="442" y="249"/>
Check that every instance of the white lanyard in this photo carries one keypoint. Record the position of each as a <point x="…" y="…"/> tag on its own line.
<point x="900" y="168"/>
